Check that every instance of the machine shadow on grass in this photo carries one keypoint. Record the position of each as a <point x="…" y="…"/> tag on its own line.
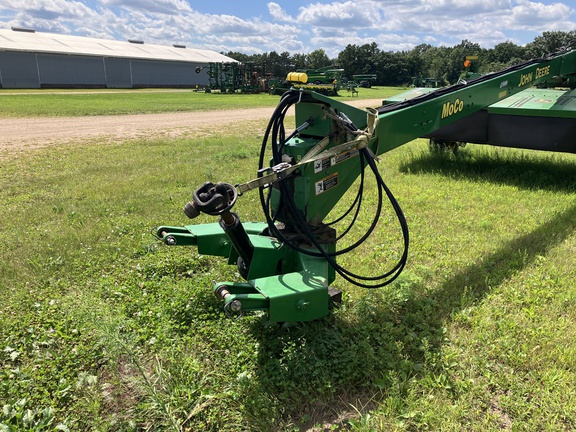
<point x="328" y="371"/>
<point x="334" y="368"/>
<point x="520" y="170"/>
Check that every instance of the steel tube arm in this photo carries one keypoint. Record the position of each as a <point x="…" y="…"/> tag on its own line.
<point x="403" y="122"/>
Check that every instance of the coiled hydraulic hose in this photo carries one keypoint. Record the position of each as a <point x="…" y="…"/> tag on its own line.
<point x="275" y="132"/>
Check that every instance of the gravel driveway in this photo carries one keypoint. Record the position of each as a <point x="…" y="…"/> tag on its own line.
<point x="22" y="134"/>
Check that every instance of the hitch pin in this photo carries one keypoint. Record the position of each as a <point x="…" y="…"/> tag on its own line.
<point x="222" y="293"/>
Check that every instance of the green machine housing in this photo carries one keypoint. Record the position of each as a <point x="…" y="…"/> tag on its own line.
<point x="539" y="118"/>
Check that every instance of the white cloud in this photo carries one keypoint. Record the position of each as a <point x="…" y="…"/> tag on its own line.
<point x="392" y="24"/>
<point x="350" y="15"/>
<point x="278" y="13"/>
<point x="50" y="9"/>
<point x="168" y="7"/>
<point x="487" y="22"/>
<point x="537" y="14"/>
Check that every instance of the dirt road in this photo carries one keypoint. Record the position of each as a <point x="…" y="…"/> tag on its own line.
<point x="17" y="135"/>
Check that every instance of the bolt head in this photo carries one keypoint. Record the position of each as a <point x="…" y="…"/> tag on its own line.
<point x="235" y="306"/>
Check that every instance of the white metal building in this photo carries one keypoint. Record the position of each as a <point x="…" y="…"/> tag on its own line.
<point x="30" y="59"/>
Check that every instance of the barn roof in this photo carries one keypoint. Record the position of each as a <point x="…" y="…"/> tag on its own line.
<point x="25" y="40"/>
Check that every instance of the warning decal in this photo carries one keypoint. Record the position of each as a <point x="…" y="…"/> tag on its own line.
<point x="344" y="156"/>
<point x="326" y="183"/>
<point x="323" y="164"/>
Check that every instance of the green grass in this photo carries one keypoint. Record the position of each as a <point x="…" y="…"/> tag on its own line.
<point x="119" y="103"/>
<point x="103" y="328"/>
<point x="95" y="102"/>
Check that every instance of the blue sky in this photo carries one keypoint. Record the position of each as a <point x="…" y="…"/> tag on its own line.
<point x="296" y="26"/>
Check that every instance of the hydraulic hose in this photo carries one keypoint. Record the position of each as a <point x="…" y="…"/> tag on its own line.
<point x="287" y="205"/>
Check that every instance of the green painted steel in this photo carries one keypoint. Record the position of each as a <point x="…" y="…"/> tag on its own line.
<point x="292" y="285"/>
<point x="316" y="191"/>
<point x="300" y="293"/>
<point x="453" y="103"/>
<point x="408" y="95"/>
<point x="538" y="102"/>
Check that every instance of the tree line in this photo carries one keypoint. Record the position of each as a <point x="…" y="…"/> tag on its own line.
<point x="398" y="68"/>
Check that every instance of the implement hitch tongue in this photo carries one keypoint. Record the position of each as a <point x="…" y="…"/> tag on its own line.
<point x="267" y="266"/>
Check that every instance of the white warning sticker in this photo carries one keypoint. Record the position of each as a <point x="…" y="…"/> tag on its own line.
<point x="321" y="165"/>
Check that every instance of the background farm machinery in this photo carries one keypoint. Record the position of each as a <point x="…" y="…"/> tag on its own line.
<point x="234" y="77"/>
<point x="326" y="81"/>
<point x="325" y="75"/>
<point x="288" y="261"/>
<point x="363" y="80"/>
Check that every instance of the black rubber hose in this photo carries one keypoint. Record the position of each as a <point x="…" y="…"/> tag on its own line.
<point x="276" y="132"/>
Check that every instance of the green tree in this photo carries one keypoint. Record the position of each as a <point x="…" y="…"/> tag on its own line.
<point x="359" y="59"/>
<point x="503" y="55"/>
<point x="318" y="59"/>
<point x="417" y="59"/>
<point x="506" y="51"/>
<point x="551" y="42"/>
<point x="394" y="68"/>
<point x="277" y="64"/>
<point x="299" y="61"/>
<point x="434" y="62"/>
<point x="244" y="58"/>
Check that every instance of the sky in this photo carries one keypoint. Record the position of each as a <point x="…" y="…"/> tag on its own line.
<point x="296" y="26"/>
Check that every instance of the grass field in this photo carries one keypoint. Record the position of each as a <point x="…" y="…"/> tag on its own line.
<point x="56" y="103"/>
<point x="103" y="328"/>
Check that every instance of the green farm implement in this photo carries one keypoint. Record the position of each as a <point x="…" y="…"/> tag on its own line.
<point x="364" y="80"/>
<point x="288" y="261"/>
<point x="233" y="77"/>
